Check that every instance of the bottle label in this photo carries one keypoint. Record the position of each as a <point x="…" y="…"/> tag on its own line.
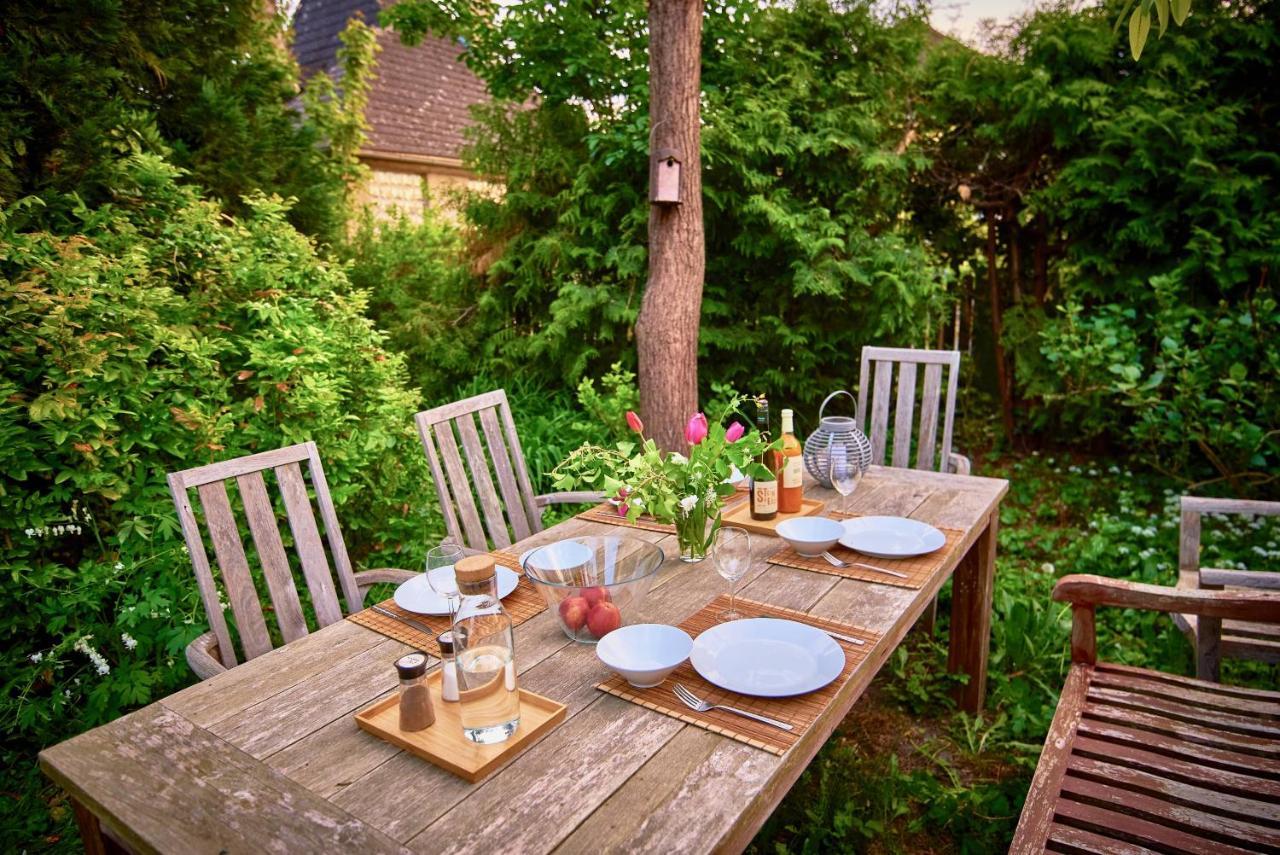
<point x="793" y="471"/>
<point x="766" y="497"/>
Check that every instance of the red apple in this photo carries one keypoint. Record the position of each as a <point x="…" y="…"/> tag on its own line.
<point x="573" y="611"/>
<point x="595" y="595"/>
<point x="603" y="619"/>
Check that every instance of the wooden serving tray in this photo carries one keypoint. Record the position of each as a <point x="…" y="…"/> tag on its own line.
<point x="741" y="517"/>
<point x="443" y="743"/>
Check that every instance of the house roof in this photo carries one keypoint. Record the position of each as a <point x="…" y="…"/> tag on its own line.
<point x="419" y="100"/>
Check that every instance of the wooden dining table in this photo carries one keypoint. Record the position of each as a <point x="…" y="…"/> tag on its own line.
<point x="268" y="757"/>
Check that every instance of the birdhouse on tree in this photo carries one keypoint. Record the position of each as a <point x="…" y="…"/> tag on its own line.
<point x="665" y="180"/>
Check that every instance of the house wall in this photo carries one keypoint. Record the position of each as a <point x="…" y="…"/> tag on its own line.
<point x="412" y="184"/>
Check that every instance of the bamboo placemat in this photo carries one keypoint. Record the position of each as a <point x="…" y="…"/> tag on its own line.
<point x="800" y="712"/>
<point x="607" y="513"/>
<point x="918" y="569"/>
<point x="521" y="604"/>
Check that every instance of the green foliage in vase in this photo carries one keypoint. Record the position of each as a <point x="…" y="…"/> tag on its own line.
<point x="670" y="486"/>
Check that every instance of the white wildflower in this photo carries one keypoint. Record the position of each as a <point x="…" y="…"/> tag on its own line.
<point x="31" y="532"/>
<point x="99" y="663"/>
<point x="688" y="503"/>
<point x="1047" y="567"/>
<point x="66" y="693"/>
<point x="36" y="657"/>
<point x="119" y="567"/>
<point x="129" y="641"/>
<point x="678" y="459"/>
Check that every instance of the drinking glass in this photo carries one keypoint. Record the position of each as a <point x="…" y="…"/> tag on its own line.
<point x="732" y="553"/>
<point x="846" y="471"/>
<point x="445" y="584"/>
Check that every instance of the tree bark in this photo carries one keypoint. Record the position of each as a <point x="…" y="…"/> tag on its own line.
<point x="997" y="329"/>
<point x="667" y="328"/>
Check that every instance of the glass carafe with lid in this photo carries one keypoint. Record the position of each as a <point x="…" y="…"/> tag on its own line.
<point x="484" y="649"/>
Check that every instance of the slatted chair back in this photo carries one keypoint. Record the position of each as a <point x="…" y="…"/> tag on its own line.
<point x="483" y="485"/>
<point x="938" y="397"/>
<point x="1213" y="638"/>
<point x="210" y="484"/>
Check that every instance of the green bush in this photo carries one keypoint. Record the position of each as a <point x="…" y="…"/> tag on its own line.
<point x="162" y="335"/>
<point x="810" y="250"/>
<point x="420" y="295"/>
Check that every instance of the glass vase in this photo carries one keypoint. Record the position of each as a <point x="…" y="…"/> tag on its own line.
<point x="691" y="530"/>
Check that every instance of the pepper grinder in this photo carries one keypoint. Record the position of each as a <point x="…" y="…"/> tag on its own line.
<point x="416" y="712"/>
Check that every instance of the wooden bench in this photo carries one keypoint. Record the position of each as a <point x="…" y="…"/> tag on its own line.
<point x="1142" y="761"/>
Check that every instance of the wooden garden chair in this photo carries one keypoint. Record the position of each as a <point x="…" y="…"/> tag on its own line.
<point x="213" y="653"/>
<point x="510" y="510"/>
<point x="1141" y="761"/>
<point x="1234" y="638"/>
<point x="879" y="362"/>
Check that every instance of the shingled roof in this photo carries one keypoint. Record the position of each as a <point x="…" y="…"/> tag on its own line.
<point x="419" y="101"/>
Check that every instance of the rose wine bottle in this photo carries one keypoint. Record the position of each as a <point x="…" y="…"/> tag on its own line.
<point x="790" y="488"/>
<point x="764" y="491"/>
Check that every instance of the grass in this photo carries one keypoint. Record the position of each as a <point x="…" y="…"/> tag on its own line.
<point x="905" y="771"/>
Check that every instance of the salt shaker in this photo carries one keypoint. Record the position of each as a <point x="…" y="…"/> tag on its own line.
<point x="448" y="668"/>
<point x="416" y="712"/>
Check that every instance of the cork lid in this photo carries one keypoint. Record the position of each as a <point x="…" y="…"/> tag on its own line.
<point x="474" y="569"/>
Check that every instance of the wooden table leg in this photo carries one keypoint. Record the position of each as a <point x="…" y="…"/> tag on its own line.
<point x="90" y="830"/>
<point x="971" y="592"/>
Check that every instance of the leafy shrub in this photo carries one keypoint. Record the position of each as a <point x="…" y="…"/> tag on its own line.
<point x="163" y="335"/>
<point x="810" y="253"/>
<point x="420" y="295"/>
<point x="208" y="84"/>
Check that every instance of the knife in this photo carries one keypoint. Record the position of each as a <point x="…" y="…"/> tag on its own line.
<point x="848" y="638"/>
<point x="410" y="622"/>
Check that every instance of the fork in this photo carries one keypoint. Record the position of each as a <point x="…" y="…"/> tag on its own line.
<point x="697" y="704"/>
<point x="837" y="562"/>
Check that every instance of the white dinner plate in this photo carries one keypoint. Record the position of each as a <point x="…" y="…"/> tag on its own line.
<point x="891" y="537"/>
<point x="416" y="594"/>
<point x="767" y="657"/>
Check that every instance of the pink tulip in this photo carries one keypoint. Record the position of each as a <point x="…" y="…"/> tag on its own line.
<point x="735" y="432"/>
<point x="634" y="422"/>
<point x="696" y="430"/>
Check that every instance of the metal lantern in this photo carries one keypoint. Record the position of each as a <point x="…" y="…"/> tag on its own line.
<point x="834" y="430"/>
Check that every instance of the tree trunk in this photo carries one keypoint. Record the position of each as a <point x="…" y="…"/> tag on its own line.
<point x="997" y="329"/>
<point x="667" y="328"/>
<point x="1040" y="261"/>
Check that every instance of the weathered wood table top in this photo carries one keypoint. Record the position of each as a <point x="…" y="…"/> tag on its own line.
<point x="267" y="756"/>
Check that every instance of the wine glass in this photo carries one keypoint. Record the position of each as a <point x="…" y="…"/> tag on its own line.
<point x="444" y="582"/>
<point x="732" y="552"/>
<point x="845" y="471"/>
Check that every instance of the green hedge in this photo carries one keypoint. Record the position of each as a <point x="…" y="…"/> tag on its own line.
<point x="162" y="335"/>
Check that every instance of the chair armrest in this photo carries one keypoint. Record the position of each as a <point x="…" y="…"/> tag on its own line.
<point x="203" y="658"/>
<point x="1086" y="593"/>
<point x="365" y="578"/>
<point x="959" y="464"/>
<point x="1093" y="591"/>
<point x="580" y="498"/>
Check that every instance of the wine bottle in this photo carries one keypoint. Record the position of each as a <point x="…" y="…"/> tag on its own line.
<point x="764" y="490"/>
<point x="790" y="486"/>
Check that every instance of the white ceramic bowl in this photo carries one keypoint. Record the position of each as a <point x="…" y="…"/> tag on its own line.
<point x="810" y="536"/>
<point x="645" y="653"/>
